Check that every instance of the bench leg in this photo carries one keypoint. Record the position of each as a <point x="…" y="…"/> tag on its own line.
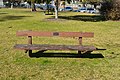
<point x="30" y="53"/>
<point x="79" y="52"/>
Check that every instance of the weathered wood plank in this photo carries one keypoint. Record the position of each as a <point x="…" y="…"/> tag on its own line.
<point x="53" y="47"/>
<point x="51" y="34"/>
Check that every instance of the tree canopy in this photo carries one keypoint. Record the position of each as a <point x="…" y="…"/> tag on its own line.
<point x="111" y="9"/>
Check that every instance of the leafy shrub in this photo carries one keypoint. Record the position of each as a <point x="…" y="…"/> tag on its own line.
<point x="111" y="10"/>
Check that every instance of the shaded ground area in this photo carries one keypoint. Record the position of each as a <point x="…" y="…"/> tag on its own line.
<point x="92" y="18"/>
<point x="11" y="17"/>
<point x="66" y="55"/>
<point x="53" y="19"/>
<point x="3" y="13"/>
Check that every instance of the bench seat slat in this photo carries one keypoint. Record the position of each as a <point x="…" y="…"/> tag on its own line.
<point x="53" y="47"/>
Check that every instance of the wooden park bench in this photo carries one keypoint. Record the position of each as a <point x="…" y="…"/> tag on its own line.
<point x="43" y="47"/>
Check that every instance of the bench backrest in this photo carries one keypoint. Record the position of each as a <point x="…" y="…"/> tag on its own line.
<point x="52" y="34"/>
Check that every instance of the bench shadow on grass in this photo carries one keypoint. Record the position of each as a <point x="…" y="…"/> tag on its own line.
<point x="92" y="18"/>
<point x="65" y="55"/>
<point x="11" y="17"/>
<point x="3" y="13"/>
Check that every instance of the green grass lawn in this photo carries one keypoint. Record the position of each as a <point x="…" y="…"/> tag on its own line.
<point x="17" y="65"/>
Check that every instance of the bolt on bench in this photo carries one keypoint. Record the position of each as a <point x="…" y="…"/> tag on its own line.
<point x="44" y="47"/>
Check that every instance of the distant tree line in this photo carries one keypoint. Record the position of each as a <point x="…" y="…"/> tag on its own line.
<point x="110" y="9"/>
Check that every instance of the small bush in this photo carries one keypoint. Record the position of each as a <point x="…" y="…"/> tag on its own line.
<point x="111" y="10"/>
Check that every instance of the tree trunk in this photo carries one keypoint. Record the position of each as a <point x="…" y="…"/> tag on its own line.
<point x="11" y="5"/>
<point x="56" y="13"/>
<point x="56" y="10"/>
<point x="33" y="6"/>
<point x="64" y="5"/>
